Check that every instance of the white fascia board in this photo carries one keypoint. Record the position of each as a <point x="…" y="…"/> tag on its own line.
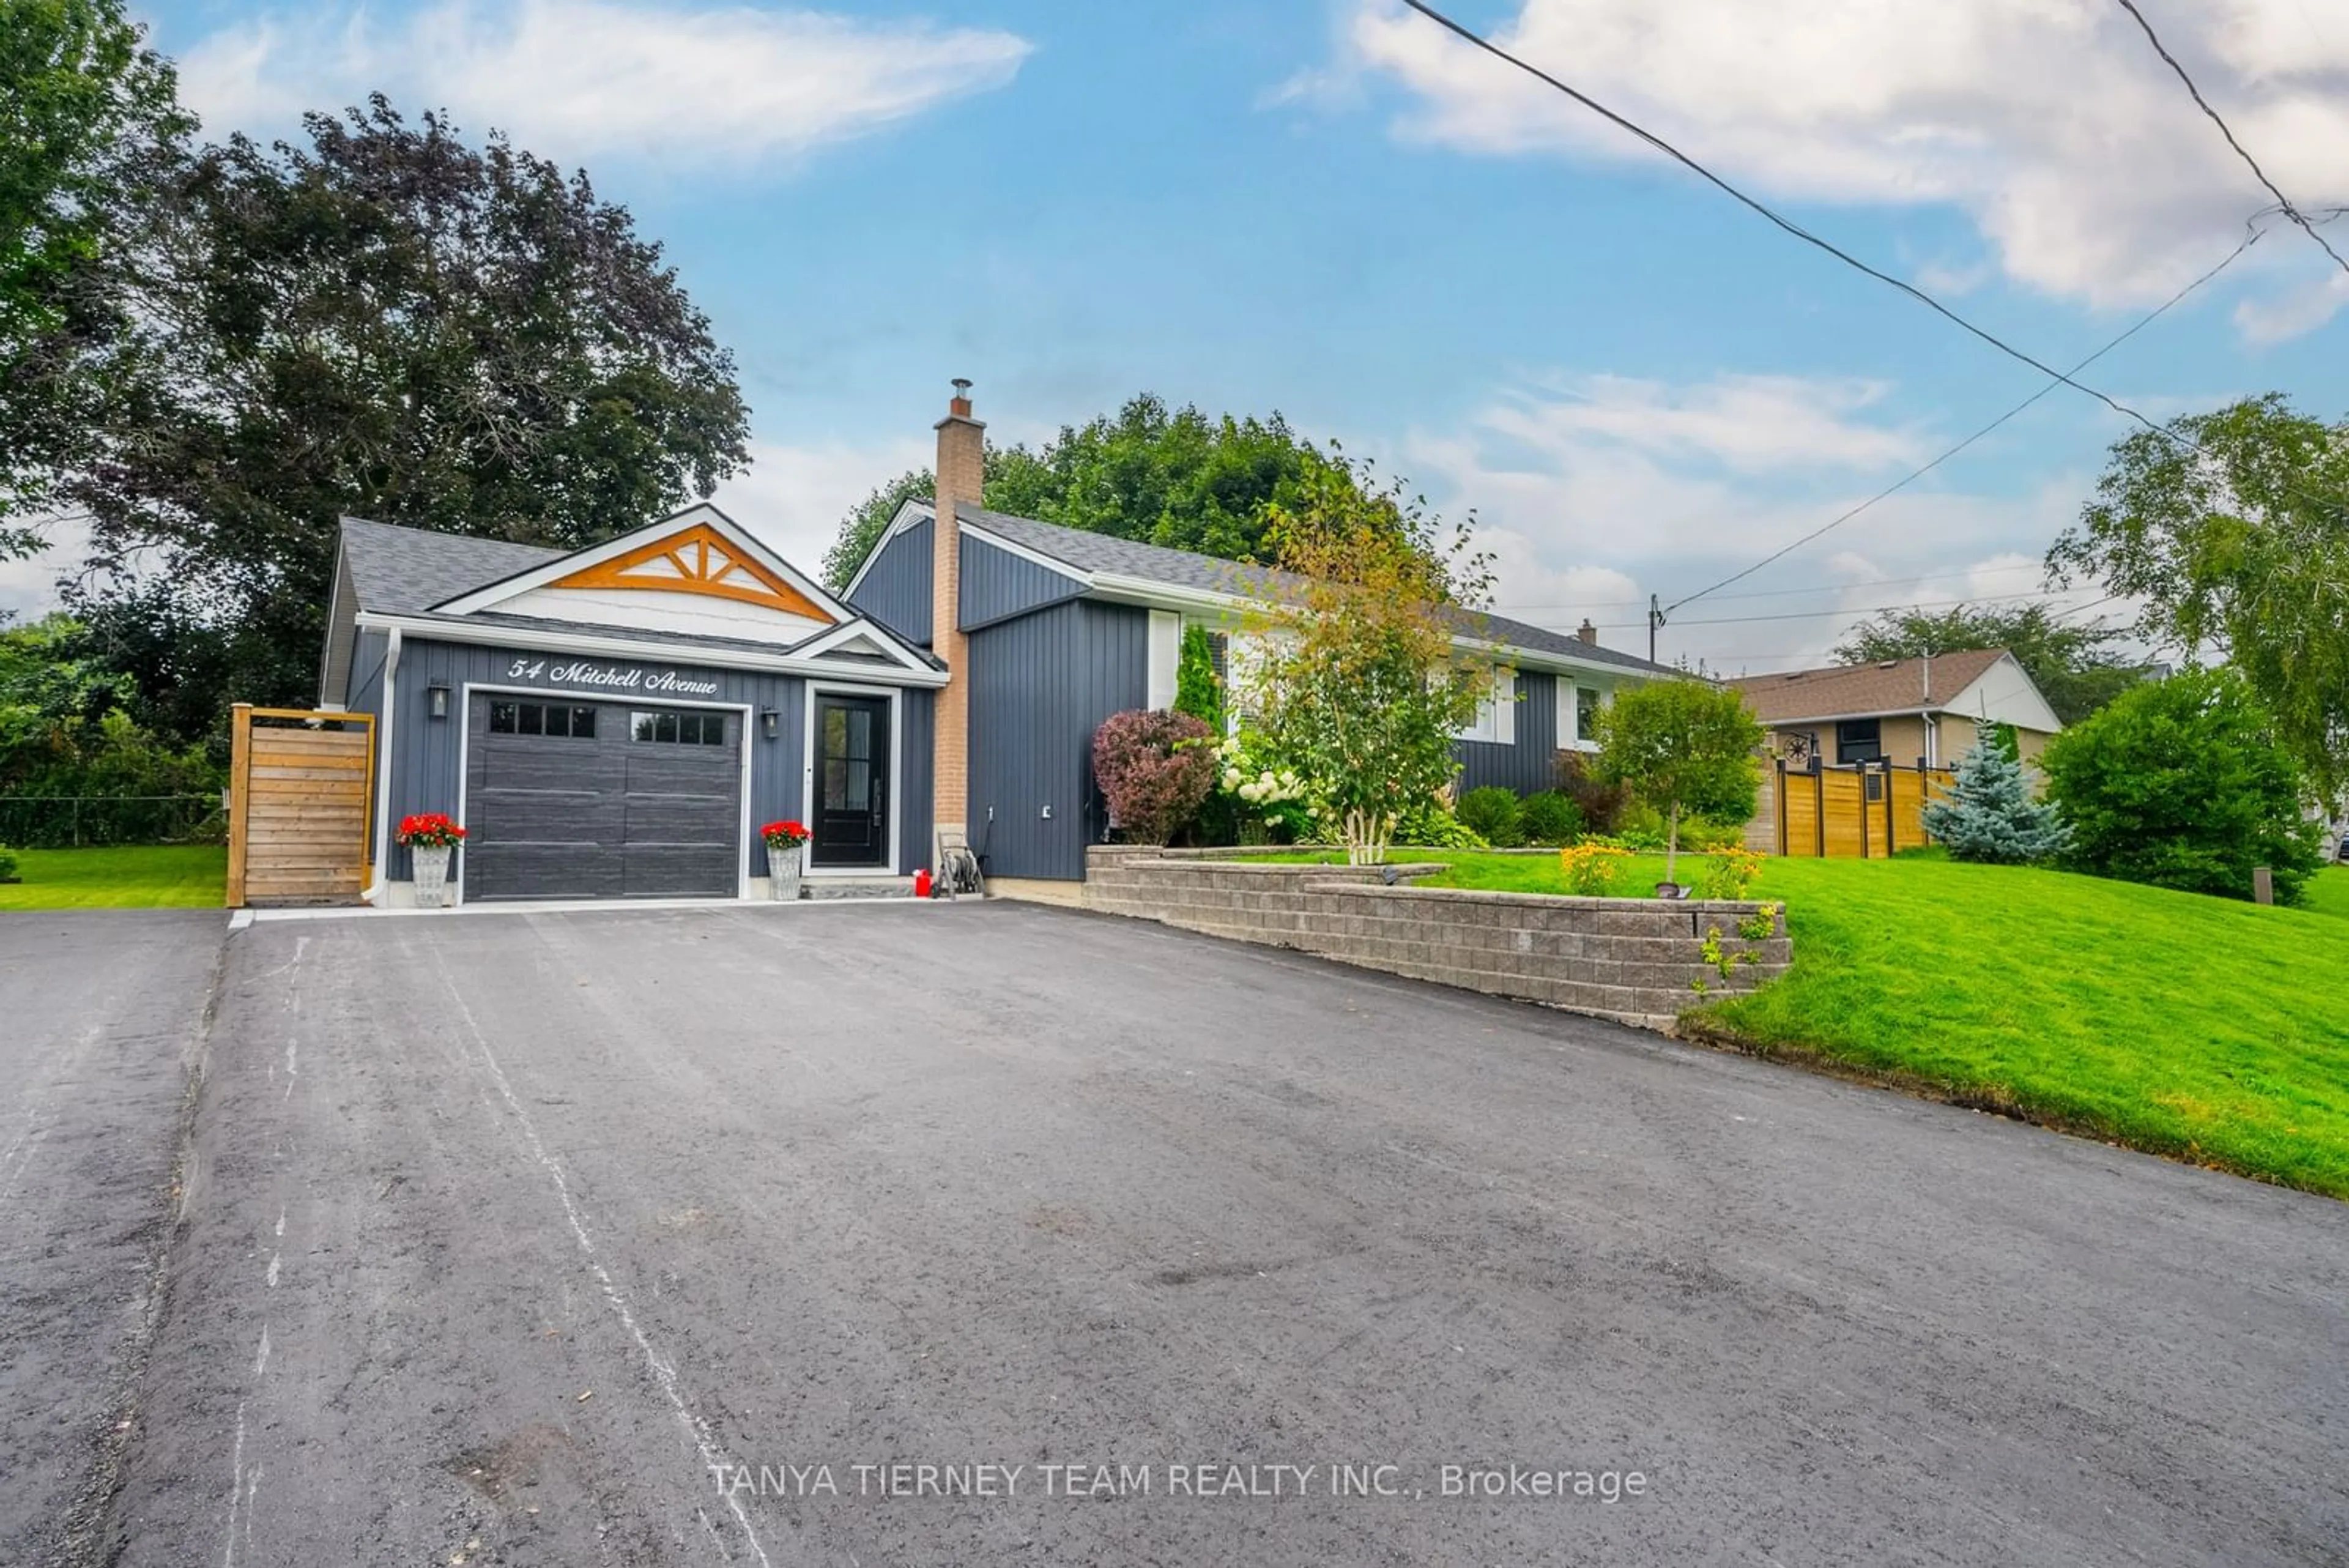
<point x="872" y="630"/>
<point x="908" y="515"/>
<point x="1033" y="557"/>
<point x="540" y="575"/>
<point x="491" y="635"/>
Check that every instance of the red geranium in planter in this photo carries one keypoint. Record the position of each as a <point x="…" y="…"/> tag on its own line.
<point x="430" y="830"/>
<point x="784" y="834"/>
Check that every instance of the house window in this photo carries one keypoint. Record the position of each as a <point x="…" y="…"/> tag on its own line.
<point x="1496" y="713"/>
<point x="1586" y="713"/>
<point x="679" y="729"/>
<point x="558" y="720"/>
<point x="1859" y="741"/>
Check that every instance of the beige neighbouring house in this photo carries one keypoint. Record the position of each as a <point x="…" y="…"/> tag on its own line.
<point x="1908" y="713"/>
<point x="1901" y="710"/>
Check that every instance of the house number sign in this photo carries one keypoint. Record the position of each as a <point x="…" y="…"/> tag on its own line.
<point x="611" y="677"/>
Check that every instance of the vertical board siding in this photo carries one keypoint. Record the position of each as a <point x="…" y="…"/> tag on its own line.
<point x="423" y="751"/>
<point x="1531" y="763"/>
<point x="1040" y="687"/>
<point x="997" y="585"/>
<point x="896" y="591"/>
<point x="917" y="709"/>
<point x="363" y="687"/>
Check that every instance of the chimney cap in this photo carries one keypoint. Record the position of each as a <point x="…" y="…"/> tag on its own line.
<point x="961" y="384"/>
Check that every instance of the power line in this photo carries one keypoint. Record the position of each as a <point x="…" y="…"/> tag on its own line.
<point x="1586" y="607"/>
<point x="1791" y="227"/>
<point x="2250" y="240"/>
<point x="2204" y="104"/>
<point x="1842" y="611"/>
<point x="1772" y="215"/>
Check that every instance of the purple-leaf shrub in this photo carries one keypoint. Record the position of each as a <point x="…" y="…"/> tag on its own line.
<point x="1157" y="768"/>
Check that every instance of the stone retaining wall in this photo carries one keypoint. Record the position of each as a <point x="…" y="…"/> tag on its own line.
<point x="1633" y="960"/>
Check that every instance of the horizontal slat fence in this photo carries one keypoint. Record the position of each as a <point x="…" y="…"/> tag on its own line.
<point x="1861" y="811"/>
<point x="298" y="805"/>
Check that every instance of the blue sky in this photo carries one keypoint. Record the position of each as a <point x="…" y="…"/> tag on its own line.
<point x="1329" y="208"/>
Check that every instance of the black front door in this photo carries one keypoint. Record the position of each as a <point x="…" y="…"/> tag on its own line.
<point x="852" y="782"/>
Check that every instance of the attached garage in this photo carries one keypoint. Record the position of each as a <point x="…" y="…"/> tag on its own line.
<point x="616" y="722"/>
<point x="585" y="800"/>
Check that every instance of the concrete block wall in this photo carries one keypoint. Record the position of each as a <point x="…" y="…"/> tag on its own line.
<point x="1635" y="960"/>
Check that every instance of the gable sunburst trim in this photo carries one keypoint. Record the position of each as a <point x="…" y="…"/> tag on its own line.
<point x="696" y="560"/>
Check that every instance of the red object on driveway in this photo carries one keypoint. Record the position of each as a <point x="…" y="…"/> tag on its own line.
<point x="922" y="883"/>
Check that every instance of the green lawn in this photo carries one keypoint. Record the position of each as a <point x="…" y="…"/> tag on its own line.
<point x="167" y="877"/>
<point x="2213" y="1030"/>
<point x="2328" y="894"/>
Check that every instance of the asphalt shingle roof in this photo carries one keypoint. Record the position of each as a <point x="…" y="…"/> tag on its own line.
<point x="1089" y="552"/>
<point x="407" y="571"/>
<point x="1853" y="690"/>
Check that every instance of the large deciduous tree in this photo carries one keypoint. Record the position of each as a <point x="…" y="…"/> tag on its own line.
<point x="2236" y="537"/>
<point x="1352" y="675"/>
<point x="85" y="113"/>
<point x="1159" y="475"/>
<point x="2074" y="666"/>
<point x="387" y="322"/>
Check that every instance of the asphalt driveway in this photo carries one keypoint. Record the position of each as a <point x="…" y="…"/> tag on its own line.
<point x="101" y="1017"/>
<point x="510" y="1237"/>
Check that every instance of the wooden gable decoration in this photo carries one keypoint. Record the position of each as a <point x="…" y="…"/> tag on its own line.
<point x="696" y="560"/>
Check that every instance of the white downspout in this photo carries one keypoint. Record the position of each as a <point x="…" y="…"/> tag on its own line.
<point x="384" y="723"/>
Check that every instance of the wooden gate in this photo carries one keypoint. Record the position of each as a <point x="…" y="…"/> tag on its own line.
<point x="1859" y="811"/>
<point x="298" y="831"/>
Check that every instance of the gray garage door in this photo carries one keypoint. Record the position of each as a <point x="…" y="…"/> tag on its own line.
<point x="600" y="800"/>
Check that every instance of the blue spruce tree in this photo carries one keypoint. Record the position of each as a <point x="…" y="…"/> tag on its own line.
<point x="1990" y="816"/>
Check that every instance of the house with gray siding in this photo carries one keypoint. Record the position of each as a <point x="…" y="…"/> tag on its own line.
<point x="617" y="721"/>
<point x="1048" y="630"/>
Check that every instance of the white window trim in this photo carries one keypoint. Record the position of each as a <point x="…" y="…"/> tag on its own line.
<point x="1496" y="723"/>
<point x="811" y="690"/>
<point x="1165" y="660"/>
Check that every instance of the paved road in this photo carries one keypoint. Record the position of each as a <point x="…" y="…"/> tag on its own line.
<point x="99" y="1018"/>
<point x="503" y="1231"/>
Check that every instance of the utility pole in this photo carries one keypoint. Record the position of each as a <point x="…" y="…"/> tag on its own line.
<point x="1655" y="619"/>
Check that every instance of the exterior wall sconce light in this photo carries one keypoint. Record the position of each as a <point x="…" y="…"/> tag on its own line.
<point x="440" y="691"/>
<point x="772" y="721"/>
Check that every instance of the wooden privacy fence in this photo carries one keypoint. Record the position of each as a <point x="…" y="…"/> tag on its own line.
<point x="1861" y="811"/>
<point x="297" y="808"/>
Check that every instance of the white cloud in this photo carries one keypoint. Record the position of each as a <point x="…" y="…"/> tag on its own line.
<point x="794" y="497"/>
<point x="1594" y="492"/>
<point x="2076" y="153"/>
<point x="732" y="86"/>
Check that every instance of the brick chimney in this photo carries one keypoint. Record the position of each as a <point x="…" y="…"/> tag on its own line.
<point x="1588" y="632"/>
<point x="961" y="468"/>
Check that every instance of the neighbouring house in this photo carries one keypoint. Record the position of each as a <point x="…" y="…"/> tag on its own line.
<point x="1900" y="710"/>
<point x="1048" y="630"/>
<point x="616" y="721"/>
<point x="1835" y="734"/>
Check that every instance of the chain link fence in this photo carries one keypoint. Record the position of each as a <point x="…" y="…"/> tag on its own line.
<point x="83" y="821"/>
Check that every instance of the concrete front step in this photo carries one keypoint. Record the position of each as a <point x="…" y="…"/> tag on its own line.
<point x="856" y="887"/>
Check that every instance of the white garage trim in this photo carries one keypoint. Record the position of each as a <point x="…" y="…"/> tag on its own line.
<point x="463" y="717"/>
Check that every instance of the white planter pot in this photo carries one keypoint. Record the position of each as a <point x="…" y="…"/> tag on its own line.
<point x="783" y="872"/>
<point x="431" y="874"/>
